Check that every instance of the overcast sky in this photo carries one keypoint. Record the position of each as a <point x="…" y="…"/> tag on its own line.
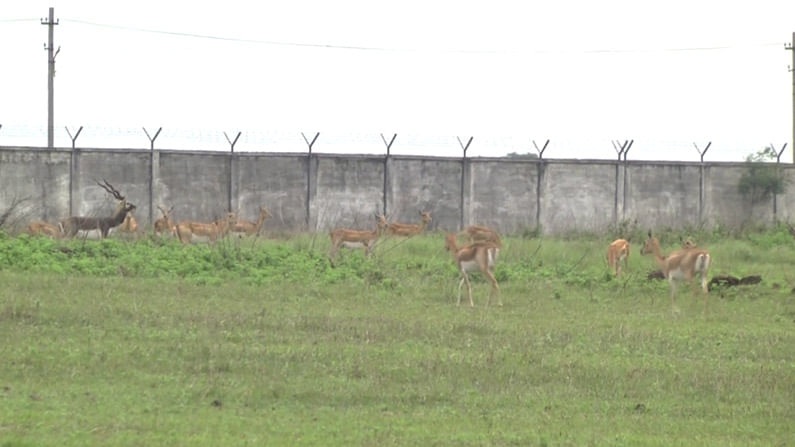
<point x="580" y="73"/>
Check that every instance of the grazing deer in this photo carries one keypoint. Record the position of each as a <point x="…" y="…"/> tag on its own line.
<point x="39" y="228"/>
<point x="480" y="233"/>
<point x="480" y="256"/>
<point x="189" y="231"/>
<point x="248" y="228"/>
<point x="165" y="224"/>
<point x="618" y="254"/>
<point x="681" y="265"/>
<point x="402" y="229"/>
<point x="102" y="225"/>
<point x="354" y="239"/>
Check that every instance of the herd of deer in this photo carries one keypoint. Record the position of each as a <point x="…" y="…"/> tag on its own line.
<point x="684" y="264"/>
<point x="123" y="218"/>
<point x="479" y="256"/>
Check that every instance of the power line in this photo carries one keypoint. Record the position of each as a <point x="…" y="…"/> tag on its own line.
<point x="414" y="50"/>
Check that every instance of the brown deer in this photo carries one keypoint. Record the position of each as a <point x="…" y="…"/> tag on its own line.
<point x="480" y="256"/>
<point x="39" y="228"/>
<point x="189" y="231"/>
<point x="353" y="239"/>
<point x="403" y="229"/>
<point x="618" y="254"/>
<point x="480" y="233"/>
<point x="130" y="225"/>
<point x="681" y="265"/>
<point x="165" y="224"/>
<point x="102" y="225"/>
<point x="248" y="228"/>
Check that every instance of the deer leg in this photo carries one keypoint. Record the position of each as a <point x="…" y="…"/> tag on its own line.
<point x="495" y="288"/>
<point x="673" y="295"/>
<point x="460" y="284"/>
<point x="465" y="279"/>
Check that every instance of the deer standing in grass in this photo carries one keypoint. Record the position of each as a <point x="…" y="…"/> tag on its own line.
<point x="480" y="233"/>
<point x="39" y="228"/>
<point x="618" y="255"/>
<point x="130" y="225"/>
<point x="189" y="231"/>
<point x="353" y="239"/>
<point x="681" y="265"/>
<point x="248" y="228"/>
<point x="165" y="224"/>
<point x="480" y="256"/>
<point x="102" y="225"/>
<point x="403" y="229"/>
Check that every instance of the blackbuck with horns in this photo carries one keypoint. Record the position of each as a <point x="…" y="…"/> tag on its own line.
<point x="73" y="225"/>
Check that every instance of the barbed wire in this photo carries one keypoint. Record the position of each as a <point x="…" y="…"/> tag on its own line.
<point x="351" y="142"/>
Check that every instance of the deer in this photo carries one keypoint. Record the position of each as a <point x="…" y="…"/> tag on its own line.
<point x="618" y="254"/>
<point x="480" y="233"/>
<point x="353" y="239"/>
<point x="165" y="224"/>
<point x="189" y="231"/>
<point x="248" y="228"/>
<point x="74" y="224"/>
<point x="40" y="228"/>
<point x="681" y="265"/>
<point x="479" y="256"/>
<point x="403" y="229"/>
<point x="130" y="225"/>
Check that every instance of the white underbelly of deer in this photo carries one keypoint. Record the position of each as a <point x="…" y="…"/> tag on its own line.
<point x="472" y="264"/>
<point x="353" y="245"/>
<point x="197" y="238"/>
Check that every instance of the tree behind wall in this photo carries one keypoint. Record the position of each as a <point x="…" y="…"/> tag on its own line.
<point x="763" y="178"/>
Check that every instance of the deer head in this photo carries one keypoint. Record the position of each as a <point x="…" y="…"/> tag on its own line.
<point x="111" y="190"/>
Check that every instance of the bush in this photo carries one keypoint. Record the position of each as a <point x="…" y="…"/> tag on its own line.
<point x="762" y="179"/>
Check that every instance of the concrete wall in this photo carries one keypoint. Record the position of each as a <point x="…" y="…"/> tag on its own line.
<point x="663" y="195"/>
<point x="40" y="177"/>
<point x="418" y="184"/>
<point x="323" y="191"/>
<point x="502" y="194"/>
<point x="577" y="196"/>
<point x="275" y="181"/>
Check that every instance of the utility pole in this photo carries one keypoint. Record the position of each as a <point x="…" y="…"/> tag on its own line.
<point x="51" y="22"/>
<point x="792" y="70"/>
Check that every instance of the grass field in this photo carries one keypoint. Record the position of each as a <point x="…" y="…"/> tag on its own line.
<point x="265" y="343"/>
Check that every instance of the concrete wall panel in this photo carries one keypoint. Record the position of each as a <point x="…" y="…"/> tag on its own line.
<point x="196" y="184"/>
<point x="425" y="184"/>
<point x="275" y="181"/>
<point x="502" y="195"/>
<point x="663" y="195"/>
<point x="349" y="192"/>
<point x="577" y="197"/>
<point x="41" y="177"/>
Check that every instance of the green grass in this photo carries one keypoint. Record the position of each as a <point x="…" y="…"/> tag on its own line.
<point x="267" y="344"/>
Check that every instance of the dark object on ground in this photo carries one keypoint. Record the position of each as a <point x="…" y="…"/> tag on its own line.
<point x="720" y="280"/>
<point x="728" y="280"/>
